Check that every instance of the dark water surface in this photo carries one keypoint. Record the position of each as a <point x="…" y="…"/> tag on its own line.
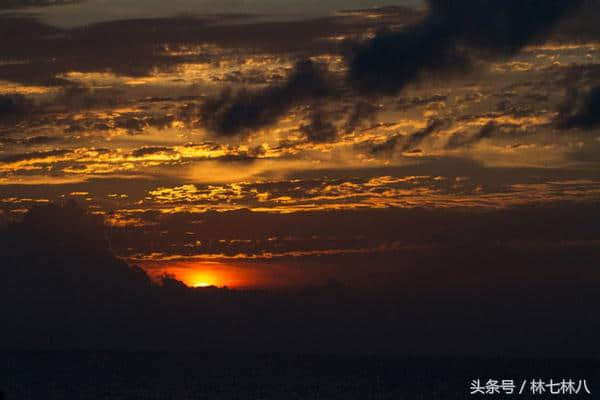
<point x="161" y="375"/>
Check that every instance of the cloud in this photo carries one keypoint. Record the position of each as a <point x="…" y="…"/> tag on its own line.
<point x="237" y="113"/>
<point x="460" y="140"/>
<point x="135" y="122"/>
<point x="581" y="109"/>
<point x="450" y="39"/>
<point x="363" y="110"/>
<point x="386" y="147"/>
<point x="406" y="143"/>
<point x="150" y="150"/>
<point x="416" y="138"/>
<point x="35" y="155"/>
<point x="319" y="130"/>
<point x="580" y="27"/>
<point x="14" y="107"/>
<point x="408" y="103"/>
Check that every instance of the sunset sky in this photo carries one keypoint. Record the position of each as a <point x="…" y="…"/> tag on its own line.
<point x="280" y="143"/>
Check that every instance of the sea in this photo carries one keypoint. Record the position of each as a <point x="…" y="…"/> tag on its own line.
<point x="189" y="375"/>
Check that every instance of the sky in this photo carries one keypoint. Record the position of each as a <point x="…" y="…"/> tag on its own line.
<point x="326" y="177"/>
<point x="267" y="143"/>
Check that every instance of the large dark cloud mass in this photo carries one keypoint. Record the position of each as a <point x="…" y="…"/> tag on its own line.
<point x="453" y="35"/>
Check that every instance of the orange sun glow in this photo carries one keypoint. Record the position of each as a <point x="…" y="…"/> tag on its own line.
<point x="203" y="274"/>
<point x="206" y="274"/>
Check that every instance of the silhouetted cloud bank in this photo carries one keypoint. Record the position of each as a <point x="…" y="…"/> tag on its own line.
<point x="63" y="288"/>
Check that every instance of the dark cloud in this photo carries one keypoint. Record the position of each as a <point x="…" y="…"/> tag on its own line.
<point x="135" y="122"/>
<point x="14" y="107"/>
<point x="362" y="111"/>
<point x="247" y="156"/>
<point x="41" y="140"/>
<point x="31" y="141"/>
<point x="35" y="155"/>
<point x="416" y="138"/>
<point x="75" y="97"/>
<point x="238" y="113"/>
<point x="386" y="147"/>
<point x="320" y="129"/>
<point x="448" y="41"/>
<point x="580" y="27"/>
<point x="145" y="151"/>
<point x="406" y="143"/>
<point x="581" y="109"/>
<point x="408" y="103"/>
<point x="460" y="140"/>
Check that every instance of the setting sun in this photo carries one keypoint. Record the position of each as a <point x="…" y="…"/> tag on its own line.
<point x="202" y="284"/>
<point x="205" y="274"/>
<point x="202" y="276"/>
